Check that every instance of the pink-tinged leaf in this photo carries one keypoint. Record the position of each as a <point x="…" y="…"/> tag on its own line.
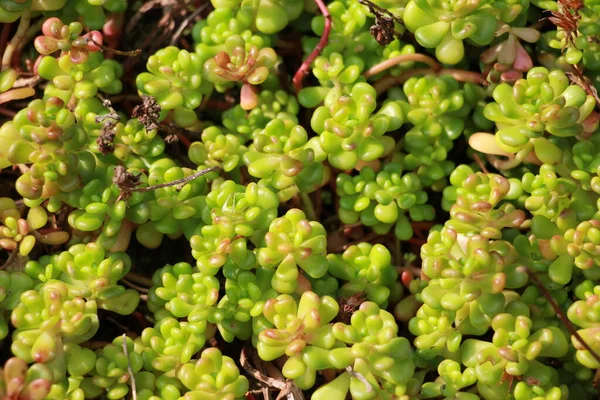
<point x="248" y="97"/>
<point x="511" y="76"/>
<point x="113" y="26"/>
<point x="522" y="61"/>
<point x="45" y="45"/>
<point x="95" y="41"/>
<point x="78" y="56"/>
<point x="52" y="27"/>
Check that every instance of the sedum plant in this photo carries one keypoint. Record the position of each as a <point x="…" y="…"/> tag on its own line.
<point x="328" y="199"/>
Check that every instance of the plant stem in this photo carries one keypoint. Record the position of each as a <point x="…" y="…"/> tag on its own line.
<point x="460" y="75"/>
<point x="560" y="314"/>
<point x="392" y="62"/>
<point x="186" y="22"/>
<point x="132" y="53"/>
<point x="308" y="206"/>
<point x="31" y="32"/>
<point x="129" y="369"/>
<point x="304" y="68"/>
<point x="16" y="40"/>
<point x="177" y="182"/>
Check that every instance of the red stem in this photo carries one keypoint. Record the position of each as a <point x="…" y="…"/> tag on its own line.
<point x="183" y="139"/>
<point x="305" y="67"/>
<point x="560" y="314"/>
<point x="4" y="35"/>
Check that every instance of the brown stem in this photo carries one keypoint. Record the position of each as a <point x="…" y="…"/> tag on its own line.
<point x="304" y="68"/>
<point x="480" y="164"/>
<point x="14" y="43"/>
<point x="138" y="279"/>
<point x="4" y="35"/>
<point x="132" y="285"/>
<point x="177" y="182"/>
<point x="132" y="53"/>
<point x="460" y="75"/>
<point x="7" y="113"/>
<point x="10" y="259"/>
<point x="257" y="374"/>
<point x="187" y="21"/>
<point x="392" y="62"/>
<point x="560" y="314"/>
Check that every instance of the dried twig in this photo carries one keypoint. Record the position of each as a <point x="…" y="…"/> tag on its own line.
<point x="304" y="68"/>
<point x="187" y="21"/>
<point x="179" y="182"/>
<point x="148" y="112"/>
<point x="259" y="376"/>
<point x="107" y="136"/>
<point x="144" y="9"/>
<point x="560" y="314"/>
<point x="376" y="10"/>
<point x="361" y="378"/>
<point x="583" y="82"/>
<point x="129" y="183"/>
<point x="132" y="53"/>
<point x="112" y="114"/>
<point x="10" y="259"/>
<point x="30" y="81"/>
<point x="383" y="30"/>
<point x="129" y="369"/>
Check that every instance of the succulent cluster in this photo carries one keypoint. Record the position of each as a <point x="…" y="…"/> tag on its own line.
<point x="412" y="214"/>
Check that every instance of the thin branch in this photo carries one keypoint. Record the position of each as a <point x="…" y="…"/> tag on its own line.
<point x="10" y="259"/>
<point x="392" y="62"/>
<point x="267" y="380"/>
<point x="134" y="286"/>
<point x="460" y="75"/>
<point x="16" y="40"/>
<point x="560" y="314"/>
<point x="107" y="136"/>
<point x="480" y="163"/>
<point x="187" y="21"/>
<point x="138" y="279"/>
<point x="27" y="81"/>
<point x="132" y="53"/>
<point x="305" y="67"/>
<point x="112" y="114"/>
<point x="178" y="182"/>
<point x="375" y="7"/>
<point x="133" y="387"/>
<point x="361" y="378"/>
